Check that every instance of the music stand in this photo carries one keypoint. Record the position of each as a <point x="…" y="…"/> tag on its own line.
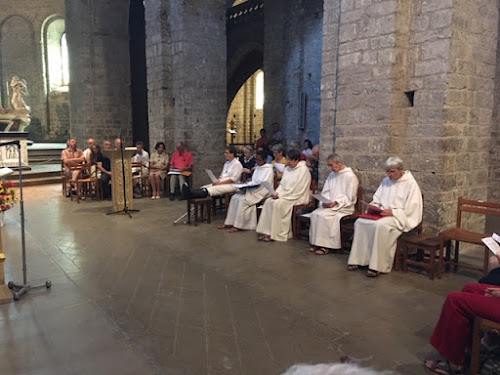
<point x="19" y="290"/>
<point x="125" y="210"/>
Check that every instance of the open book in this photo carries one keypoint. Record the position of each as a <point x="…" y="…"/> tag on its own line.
<point x="211" y="175"/>
<point x="247" y="185"/>
<point x="322" y="199"/>
<point x="492" y="243"/>
<point x="279" y="167"/>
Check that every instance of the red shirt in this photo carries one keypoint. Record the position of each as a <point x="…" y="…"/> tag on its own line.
<point x="181" y="161"/>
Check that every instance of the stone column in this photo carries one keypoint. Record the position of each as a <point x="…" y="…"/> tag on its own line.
<point x="186" y="59"/>
<point x="98" y="43"/>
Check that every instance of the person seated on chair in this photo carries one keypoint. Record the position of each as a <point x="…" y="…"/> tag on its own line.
<point x="398" y="201"/>
<point x="118" y="143"/>
<point x="307" y="148"/>
<point x="269" y="156"/>
<point x="341" y="189"/>
<point x="263" y="140"/>
<point x="103" y="169"/>
<point x="279" y="158"/>
<point x="88" y="151"/>
<point x="242" y="211"/>
<point x="141" y="168"/>
<point x="72" y="157"/>
<point x="158" y="165"/>
<point x="182" y="160"/>
<point x="231" y="174"/>
<point x="247" y="160"/>
<point x="277" y="136"/>
<point x="453" y="332"/>
<point x="275" y="219"/>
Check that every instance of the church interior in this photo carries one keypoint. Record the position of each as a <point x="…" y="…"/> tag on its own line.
<point x="367" y="79"/>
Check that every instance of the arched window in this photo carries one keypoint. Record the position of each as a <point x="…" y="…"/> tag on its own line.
<point x="56" y="56"/>
<point x="259" y="90"/>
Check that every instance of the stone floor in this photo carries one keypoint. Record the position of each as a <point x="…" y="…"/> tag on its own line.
<point x="142" y="296"/>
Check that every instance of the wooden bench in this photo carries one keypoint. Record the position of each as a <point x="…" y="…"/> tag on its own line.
<point x="459" y="234"/>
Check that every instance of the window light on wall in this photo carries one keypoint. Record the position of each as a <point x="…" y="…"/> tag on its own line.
<point x="259" y="90"/>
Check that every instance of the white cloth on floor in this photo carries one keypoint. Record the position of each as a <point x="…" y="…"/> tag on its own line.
<point x="242" y="212"/>
<point x="340" y="187"/>
<point x="375" y="241"/>
<point x="275" y="219"/>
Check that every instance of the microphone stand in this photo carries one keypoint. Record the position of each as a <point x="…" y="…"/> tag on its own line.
<point x="20" y="289"/>
<point x="125" y="210"/>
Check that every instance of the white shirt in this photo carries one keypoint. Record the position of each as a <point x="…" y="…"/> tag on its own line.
<point x="232" y="170"/>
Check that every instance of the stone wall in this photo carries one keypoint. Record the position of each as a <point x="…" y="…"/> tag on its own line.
<point x="414" y="79"/>
<point x="292" y="66"/>
<point x="98" y="42"/>
<point x="186" y="59"/>
<point x="21" y="52"/>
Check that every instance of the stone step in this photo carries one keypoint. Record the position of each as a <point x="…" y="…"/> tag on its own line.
<point x="38" y="181"/>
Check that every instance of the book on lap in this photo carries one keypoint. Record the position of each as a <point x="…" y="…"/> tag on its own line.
<point x="371" y="216"/>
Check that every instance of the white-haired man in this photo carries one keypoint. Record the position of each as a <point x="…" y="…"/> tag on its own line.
<point x="340" y="189"/>
<point x="398" y="202"/>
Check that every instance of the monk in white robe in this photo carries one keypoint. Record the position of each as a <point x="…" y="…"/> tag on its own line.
<point x="242" y="211"/>
<point x="231" y="174"/>
<point x="400" y="201"/>
<point x="276" y="217"/>
<point x="340" y="189"/>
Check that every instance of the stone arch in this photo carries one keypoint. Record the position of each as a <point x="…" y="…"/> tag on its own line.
<point x="243" y="64"/>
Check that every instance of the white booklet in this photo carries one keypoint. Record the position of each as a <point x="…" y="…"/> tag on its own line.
<point x="280" y="167"/>
<point x="492" y="243"/>
<point x="322" y="199"/>
<point x="268" y="186"/>
<point x="211" y="175"/>
<point x="174" y="171"/>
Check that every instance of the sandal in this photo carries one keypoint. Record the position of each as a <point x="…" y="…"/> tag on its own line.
<point x="372" y="273"/>
<point x="352" y="267"/>
<point x="312" y="249"/>
<point x="266" y="239"/>
<point x="233" y="230"/>
<point x="439" y="367"/>
<point x="321" y="251"/>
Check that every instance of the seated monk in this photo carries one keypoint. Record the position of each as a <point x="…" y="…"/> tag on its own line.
<point x="340" y="189"/>
<point x="231" y="174"/>
<point x="242" y="211"/>
<point x="452" y="334"/>
<point x="276" y="218"/>
<point x="398" y="204"/>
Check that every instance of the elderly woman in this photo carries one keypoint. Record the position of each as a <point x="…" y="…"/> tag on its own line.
<point x="158" y="165"/>
<point x="279" y="157"/>
<point x="452" y="334"/>
<point x="248" y="161"/>
<point x="398" y="204"/>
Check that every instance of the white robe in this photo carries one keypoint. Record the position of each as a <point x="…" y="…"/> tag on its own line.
<point x="375" y="241"/>
<point x="242" y="211"/>
<point x="275" y="219"/>
<point x="341" y="187"/>
<point x="231" y="170"/>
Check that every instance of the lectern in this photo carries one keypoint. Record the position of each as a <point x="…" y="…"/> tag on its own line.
<point x="117" y="177"/>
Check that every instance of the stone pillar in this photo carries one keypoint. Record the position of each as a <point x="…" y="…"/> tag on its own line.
<point x="186" y="59"/>
<point x="98" y="42"/>
<point x="292" y="67"/>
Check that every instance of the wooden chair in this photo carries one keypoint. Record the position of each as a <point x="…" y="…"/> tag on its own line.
<point x="481" y="326"/>
<point x="142" y="178"/>
<point x="88" y="185"/>
<point x="459" y="234"/>
<point x="65" y="181"/>
<point x="311" y="204"/>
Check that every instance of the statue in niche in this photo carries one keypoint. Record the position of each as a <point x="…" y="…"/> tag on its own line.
<point x="16" y="119"/>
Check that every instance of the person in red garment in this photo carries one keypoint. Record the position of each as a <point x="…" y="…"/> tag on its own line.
<point x="453" y="332"/>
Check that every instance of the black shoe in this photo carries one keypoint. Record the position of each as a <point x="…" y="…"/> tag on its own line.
<point x="185" y="192"/>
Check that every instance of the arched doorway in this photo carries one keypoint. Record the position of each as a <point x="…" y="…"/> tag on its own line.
<point x="245" y="117"/>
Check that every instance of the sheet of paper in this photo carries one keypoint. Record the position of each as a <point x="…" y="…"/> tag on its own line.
<point x="307" y="215"/>
<point x="280" y="167"/>
<point x="322" y="199"/>
<point x="174" y="171"/>
<point x="496" y="237"/>
<point x="492" y="245"/>
<point x="245" y="186"/>
<point x="211" y="175"/>
<point x="268" y="186"/>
